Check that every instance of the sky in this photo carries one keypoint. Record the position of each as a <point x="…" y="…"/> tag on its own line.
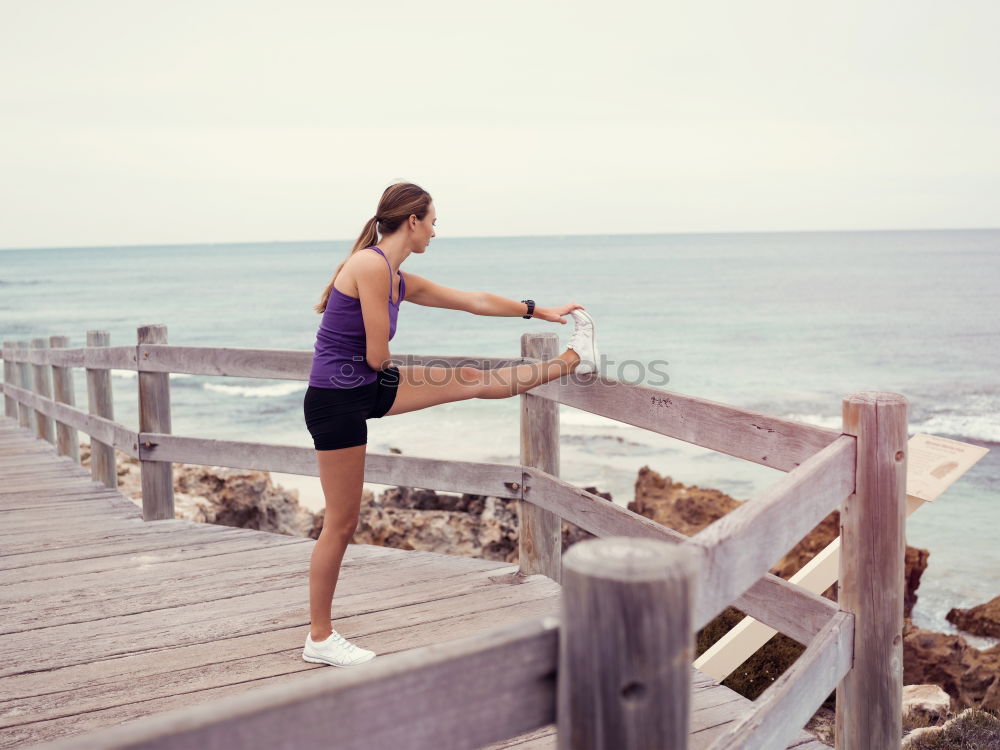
<point x="137" y="122"/>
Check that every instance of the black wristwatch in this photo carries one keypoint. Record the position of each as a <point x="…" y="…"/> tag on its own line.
<point x="531" y="307"/>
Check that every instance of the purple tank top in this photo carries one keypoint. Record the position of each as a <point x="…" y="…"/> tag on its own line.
<point x="339" y="354"/>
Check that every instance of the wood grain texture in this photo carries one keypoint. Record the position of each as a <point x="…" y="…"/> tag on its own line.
<point x="539" y="540"/>
<point x="872" y="549"/>
<point x="42" y="387"/>
<point x="100" y="403"/>
<point x="497" y="480"/>
<point x="67" y="439"/>
<point x="25" y="415"/>
<point x="282" y="364"/>
<point x="743" y="545"/>
<point x="766" y="440"/>
<point x="103" y="358"/>
<point x="157" y="477"/>
<point x="102" y="431"/>
<point x="787" y="608"/>
<point x="626" y="645"/>
<point x="9" y="378"/>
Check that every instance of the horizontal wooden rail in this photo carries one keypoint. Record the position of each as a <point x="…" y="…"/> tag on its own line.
<point x="287" y="364"/>
<point x="105" y="430"/>
<point x="778" y="714"/>
<point x="742" y="546"/>
<point x="459" y="694"/>
<point x="497" y="480"/>
<point x="789" y="609"/>
<point x="96" y="358"/>
<point x="766" y="440"/>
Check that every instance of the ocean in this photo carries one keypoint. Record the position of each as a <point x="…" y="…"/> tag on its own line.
<point x="782" y="323"/>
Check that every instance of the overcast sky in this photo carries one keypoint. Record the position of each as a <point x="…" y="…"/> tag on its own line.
<point x="134" y="122"/>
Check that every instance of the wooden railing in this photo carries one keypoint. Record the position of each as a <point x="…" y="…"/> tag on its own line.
<point x="664" y="585"/>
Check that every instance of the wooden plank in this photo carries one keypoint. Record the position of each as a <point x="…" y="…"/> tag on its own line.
<point x="181" y="538"/>
<point x="101" y="430"/>
<point x="106" y="358"/>
<point x="743" y="545"/>
<point x="766" y="440"/>
<point x="779" y="714"/>
<point x="280" y="364"/>
<point x="376" y="587"/>
<point x="121" y="533"/>
<point x="201" y="667"/>
<point x="137" y="561"/>
<point x="159" y="669"/>
<point x="380" y="468"/>
<point x="873" y="548"/>
<point x="539" y="540"/>
<point x="462" y="710"/>
<point x="775" y="602"/>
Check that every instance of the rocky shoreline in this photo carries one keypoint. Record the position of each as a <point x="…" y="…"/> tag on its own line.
<point x="486" y="527"/>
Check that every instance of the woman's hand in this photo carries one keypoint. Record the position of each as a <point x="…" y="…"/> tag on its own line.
<point x="555" y="314"/>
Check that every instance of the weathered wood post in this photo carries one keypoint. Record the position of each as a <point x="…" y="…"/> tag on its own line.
<point x="872" y="549"/>
<point x="154" y="416"/>
<point x="625" y="645"/>
<point x="25" y="414"/>
<point x="539" y="536"/>
<point x="43" y="387"/>
<point x="100" y="403"/>
<point x="67" y="441"/>
<point x="10" y="378"/>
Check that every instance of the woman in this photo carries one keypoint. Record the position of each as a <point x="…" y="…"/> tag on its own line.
<point x="352" y="379"/>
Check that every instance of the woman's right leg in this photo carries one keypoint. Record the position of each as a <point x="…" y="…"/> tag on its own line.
<point x="421" y="386"/>
<point x="342" y="474"/>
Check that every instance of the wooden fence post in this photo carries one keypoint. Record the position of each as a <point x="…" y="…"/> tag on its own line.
<point x="43" y="387"/>
<point x="10" y="378"/>
<point x="101" y="404"/>
<point x="67" y="440"/>
<point x="539" y="534"/>
<point x="872" y="549"/>
<point x="625" y="645"/>
<point x="154" y="416"/>
<point x="25" y="414"/>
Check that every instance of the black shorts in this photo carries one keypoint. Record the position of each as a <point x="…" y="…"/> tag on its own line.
<point x="336" y="417"/>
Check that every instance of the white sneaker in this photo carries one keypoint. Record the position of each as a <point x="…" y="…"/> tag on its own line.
<point x="336" y="651"/>
<point x="584" y="342"/>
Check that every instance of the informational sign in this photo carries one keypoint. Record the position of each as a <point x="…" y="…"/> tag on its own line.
<point x="935" y="463"/>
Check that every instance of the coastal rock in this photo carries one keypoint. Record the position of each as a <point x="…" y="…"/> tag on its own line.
<point x="925" y="703"/>
<point x="677" y="506"/>
<point x="467" y="525"/>
<point x="215" y="494"/>
<point x="689" y="509"/>
<point x="983" y="619"/>
<point x="970" y="676"/>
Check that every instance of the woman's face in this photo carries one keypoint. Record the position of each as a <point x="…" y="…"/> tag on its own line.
<point x="424" y="230"/>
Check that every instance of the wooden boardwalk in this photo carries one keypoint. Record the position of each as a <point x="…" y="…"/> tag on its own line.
<point x="105" y="618"/>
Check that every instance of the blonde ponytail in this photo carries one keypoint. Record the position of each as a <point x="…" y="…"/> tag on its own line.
<point x="367" y="238"/>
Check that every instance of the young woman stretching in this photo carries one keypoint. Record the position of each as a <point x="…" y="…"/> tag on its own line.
<point x="352" y="379"/>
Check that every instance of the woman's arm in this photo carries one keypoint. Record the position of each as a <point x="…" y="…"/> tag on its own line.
<point x="373" y="290"/>
<point x="421" y="291"/>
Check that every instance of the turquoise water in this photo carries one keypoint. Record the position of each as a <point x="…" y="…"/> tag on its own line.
<point x="785" y="324"/>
